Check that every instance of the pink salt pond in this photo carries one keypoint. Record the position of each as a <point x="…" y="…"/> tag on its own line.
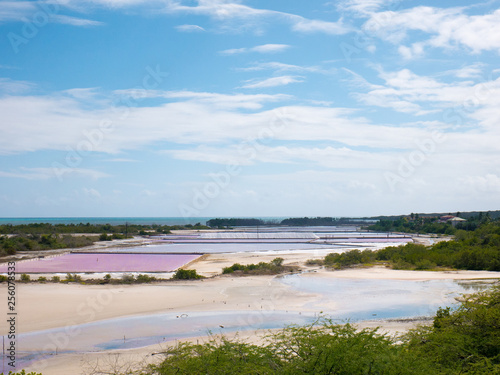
<point x="103" y="262"/>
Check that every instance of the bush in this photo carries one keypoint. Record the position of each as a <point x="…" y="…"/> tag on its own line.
<point x="181" y="274"/>
<point x="42" y="279"/>
<point x="425" y="264"/>
<point x="55" y="279"/>
<point x="25" y="278"/>
<point x="73" y="278"/>
<point x="273" y="267"/>
<point x="105" y="237"/>
<point x="3" y="279"/>
<point x="465" y="340"/>
<point x="128" y="279"/>
<point x="144" y="278"/>
<point x="319" y="348"/>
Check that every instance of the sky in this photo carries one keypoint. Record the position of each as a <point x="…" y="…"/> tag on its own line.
<point x="201" y="108"/>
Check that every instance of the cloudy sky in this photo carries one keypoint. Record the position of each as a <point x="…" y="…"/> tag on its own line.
<point x="248" y="107"/>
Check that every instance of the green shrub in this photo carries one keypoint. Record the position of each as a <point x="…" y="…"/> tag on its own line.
<point x="128" y="279"/>
<point x="181" y="274"/>
<point x="105" y="237"/>
<point x="73" y="278"/>
<point x="55" y="279"/>
<point x="25" y="278"/>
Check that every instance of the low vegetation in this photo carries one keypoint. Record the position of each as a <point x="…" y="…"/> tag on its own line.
<point x="470" y="250"/>
<point x="273" y="267"/>
<point x="107" y="279"/>
<point x="416" y="223"/>
<point x="182" y="274"/>
<point x="22" y="242"/>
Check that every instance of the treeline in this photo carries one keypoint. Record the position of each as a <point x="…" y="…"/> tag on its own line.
<point x="470" y="250"/>
<point x="316" y="221"/>
<point x="463" y="341"/>
<point x="45" y="236"/>
<point x="294" y="221"/>
<point x="416" y="223"/>
<point x="47" y="228"/>
<point x="237" y="222"/>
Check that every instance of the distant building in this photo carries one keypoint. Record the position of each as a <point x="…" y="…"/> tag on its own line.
<point x="454" y="220"/>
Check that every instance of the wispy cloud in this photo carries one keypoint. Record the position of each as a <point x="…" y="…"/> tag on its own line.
<point x="273" y="82"/>
<point x="447" y="28"/>
<point x="317" y="26"/>
<point x="74" y="21"/>
<point x="9" y="86"/>
<point x="265" y="48"/>
<point x="190" y="28"/>
<point x="363" y="7"/>
<point x="227" y="11"/>
<point x="23" y="11"/>
<point x="282" y="67"/>
<point x="15" y="10"/>
<point x="47" y="173"/>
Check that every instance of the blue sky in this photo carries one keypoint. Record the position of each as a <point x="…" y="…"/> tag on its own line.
<point x="248" y="108"/>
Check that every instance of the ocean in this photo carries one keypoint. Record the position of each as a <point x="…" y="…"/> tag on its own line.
<point x="116" y="220"/>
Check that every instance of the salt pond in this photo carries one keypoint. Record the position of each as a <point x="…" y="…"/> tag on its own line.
<point x="103" y="262"/>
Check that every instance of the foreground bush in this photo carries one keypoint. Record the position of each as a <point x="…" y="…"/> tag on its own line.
<point x="324" y="348"/>
<point x="466" y="340"/>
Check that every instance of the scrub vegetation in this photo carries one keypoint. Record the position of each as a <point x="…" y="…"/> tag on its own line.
<point x="273" y="267"/>
<point x="470" y="250"/>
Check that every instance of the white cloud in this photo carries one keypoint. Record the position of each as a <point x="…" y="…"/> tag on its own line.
<point x="55" y="172"/>
<point x="190" y="28"/>
<point x="468" y="71"/>
<point x="22" y="11"/>
<point x="407" y="92"/>
<point x="329" y="157"/>
<point x="281" y="67"/>
<point x="227" y="11"/>
<point x="270" y="48"/>
<point x="364" y="7"/>
<point x="273" y="82"/>
<point x="9" y="86"/>
<point x="265" y="48"/>
<point x="62" y="123"/>
<point x="447" y="28"/>
<point x="15" y="10"/>
<point x="67" y="20"/>
<point x="317" y="26"/>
